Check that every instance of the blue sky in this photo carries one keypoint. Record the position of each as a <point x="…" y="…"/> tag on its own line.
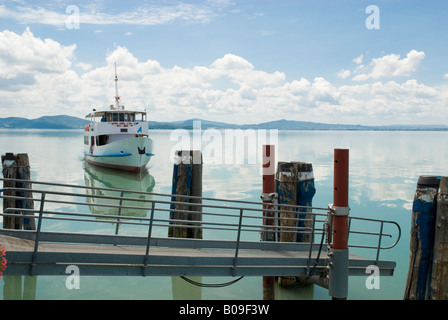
<point x="241" y="61"/>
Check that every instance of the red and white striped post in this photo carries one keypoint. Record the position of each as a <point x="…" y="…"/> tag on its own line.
<point x="339" y="260"/>
<point x="268" y="197"/>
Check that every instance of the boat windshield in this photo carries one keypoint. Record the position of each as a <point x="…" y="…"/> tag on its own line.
<point x="129" y="116"/>
<point x="121" y="116"/>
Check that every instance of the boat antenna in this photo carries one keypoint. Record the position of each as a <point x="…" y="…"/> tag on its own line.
<point x="117" y="97"/>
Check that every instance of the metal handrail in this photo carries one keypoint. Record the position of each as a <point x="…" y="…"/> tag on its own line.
<point x="206" y="209"/>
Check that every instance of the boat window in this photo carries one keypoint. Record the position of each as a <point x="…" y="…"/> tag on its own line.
<point x="101" y="140"/>
<point x="141" y="117"/>
<point x="121" y="117"/>
<point x="132" y="117"/>
<point x="115" y="117"/>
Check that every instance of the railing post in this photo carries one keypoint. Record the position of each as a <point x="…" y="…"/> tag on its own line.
<point x="119" y="212"/>
<point x="238" y="236"/>
<point x="36" y="240"/>
<point x="148" y="242"/>
<point x="339" y="259"/>
<point x="268" y="222"/>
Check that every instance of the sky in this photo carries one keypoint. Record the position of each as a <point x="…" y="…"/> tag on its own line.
<point x="375" y="62"/>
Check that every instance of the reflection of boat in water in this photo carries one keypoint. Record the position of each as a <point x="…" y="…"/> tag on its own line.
<point x="104" y="180"/>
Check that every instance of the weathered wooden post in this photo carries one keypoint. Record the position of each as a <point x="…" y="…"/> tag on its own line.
<point x="9" y="172"/>
<point x="269" y="200"/>
<point x="422" y="237"/>
<point x="18" y="167"/>
<point x="24" y="174"/>
<point x="338" y="273"/>
<point x="295" y="186"/>
<point x="187" y="181"/>
<point x="439" y="275"/>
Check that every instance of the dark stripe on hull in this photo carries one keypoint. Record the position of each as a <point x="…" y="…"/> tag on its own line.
<point x="114" y="166"/>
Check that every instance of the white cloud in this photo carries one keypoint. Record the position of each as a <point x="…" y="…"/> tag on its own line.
<point x="42" y="77"/>
<point x="84" y="66"/>
<point x="358" y="60"/>
<point x="343" y="74"/>
<point x="145" y="15"/>
<point x="445" y="76"/>
<point x="26" y="54"/>
<point x="391" y="66"/>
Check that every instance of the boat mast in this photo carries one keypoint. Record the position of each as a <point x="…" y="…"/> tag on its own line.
<point x="117" y="97"/>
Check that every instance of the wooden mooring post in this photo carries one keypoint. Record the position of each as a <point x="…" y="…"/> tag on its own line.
<point x="439" y="271"/>
<point x="295" y="186"/>
<point x="17" y="166"/>
<point x="428" y="259"/>
<point x="187" y="181"/>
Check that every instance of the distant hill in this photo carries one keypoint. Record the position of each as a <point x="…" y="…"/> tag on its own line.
<point x="291" y="125"/>
<point x="47" y="122"/>
<point x="69" y="122"/>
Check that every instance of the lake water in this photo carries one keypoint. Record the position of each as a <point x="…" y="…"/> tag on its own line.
<point x="384" y="168"/>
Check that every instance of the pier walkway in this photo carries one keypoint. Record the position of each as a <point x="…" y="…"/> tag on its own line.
<point x="121" y="232"/>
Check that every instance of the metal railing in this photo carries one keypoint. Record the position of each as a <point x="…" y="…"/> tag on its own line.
<point x="148" y="216"/>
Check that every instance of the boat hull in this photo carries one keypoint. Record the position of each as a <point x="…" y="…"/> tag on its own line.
<point x="131" y="154"/>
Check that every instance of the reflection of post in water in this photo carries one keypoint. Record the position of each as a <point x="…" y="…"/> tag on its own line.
<point x="106" y="182"/>
<point x="187" y="181"/>
<point x="17" y="166"/>
<point x="182" y="290"/>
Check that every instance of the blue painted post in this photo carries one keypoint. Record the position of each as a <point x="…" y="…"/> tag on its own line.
<point x="295" y="186"/>
<point x="422" y="237"/>
<point x="187" y="181"/>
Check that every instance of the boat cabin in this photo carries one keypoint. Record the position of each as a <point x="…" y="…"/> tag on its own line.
<point x="114" y="125"/>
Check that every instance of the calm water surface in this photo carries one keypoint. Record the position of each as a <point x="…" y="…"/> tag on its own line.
<point x="384" y="168"/>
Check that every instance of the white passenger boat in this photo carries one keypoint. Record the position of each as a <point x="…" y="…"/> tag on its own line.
<point x="118" y="138"/>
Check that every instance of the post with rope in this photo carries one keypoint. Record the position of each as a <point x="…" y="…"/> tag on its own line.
<point x="269" y="200"/>
<point x="339" y="211"/>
